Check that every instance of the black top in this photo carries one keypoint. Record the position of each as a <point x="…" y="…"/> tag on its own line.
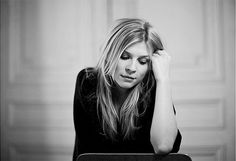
<point x="89" y="133"/>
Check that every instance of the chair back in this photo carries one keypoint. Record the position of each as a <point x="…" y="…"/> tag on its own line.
<point x="132" y="157"/>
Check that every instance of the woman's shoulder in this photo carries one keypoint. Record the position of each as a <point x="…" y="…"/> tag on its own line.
<point x="87" y="79"/>
<point x="87" y="74"/>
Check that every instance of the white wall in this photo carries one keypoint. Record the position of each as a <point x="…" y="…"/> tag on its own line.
<point x="44" y="43"/>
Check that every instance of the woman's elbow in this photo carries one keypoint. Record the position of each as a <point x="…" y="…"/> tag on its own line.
<point x="163" y="147"/>
<point x="162" y="150"/>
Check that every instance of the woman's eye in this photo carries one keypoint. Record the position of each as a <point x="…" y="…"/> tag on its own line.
<point x="143" y="61"/>
<point x="124" y="56"/>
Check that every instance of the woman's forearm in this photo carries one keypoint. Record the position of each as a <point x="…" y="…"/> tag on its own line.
<point x="164" y="127"/>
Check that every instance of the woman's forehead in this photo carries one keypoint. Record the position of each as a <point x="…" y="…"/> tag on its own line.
<point x="138" y="49"/>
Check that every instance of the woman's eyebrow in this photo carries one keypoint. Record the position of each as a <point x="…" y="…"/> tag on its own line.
<point x="142" y="56"/>
<point x="125" y="51"/>
<point x="145" y="56"/>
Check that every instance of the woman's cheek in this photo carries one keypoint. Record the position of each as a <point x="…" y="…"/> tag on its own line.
<point x="143" y="70"/>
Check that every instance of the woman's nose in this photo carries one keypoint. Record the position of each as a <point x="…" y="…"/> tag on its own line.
<point x="131" y="67"/>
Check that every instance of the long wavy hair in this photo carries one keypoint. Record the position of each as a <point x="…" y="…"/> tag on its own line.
<point x="125" y="32"/>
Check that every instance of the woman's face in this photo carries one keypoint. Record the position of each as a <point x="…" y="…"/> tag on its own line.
<point x="132" y="65"/>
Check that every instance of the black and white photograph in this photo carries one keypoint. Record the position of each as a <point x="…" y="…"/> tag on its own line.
<point x="117" y="80"/>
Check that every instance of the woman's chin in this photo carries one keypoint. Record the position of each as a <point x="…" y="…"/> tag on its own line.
<point x="126" y="85"/>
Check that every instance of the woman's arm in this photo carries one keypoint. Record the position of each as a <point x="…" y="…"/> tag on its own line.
<point x="164" y="127"/>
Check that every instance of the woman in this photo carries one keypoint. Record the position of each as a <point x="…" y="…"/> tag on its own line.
<point x="124" y="104"/>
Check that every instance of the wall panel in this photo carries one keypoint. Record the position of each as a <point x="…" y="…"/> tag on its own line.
<point x="48" y="43"/>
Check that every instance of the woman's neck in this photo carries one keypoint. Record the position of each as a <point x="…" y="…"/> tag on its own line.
<point x="119" y="95"/>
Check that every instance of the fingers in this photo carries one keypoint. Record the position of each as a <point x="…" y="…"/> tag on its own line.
<point x="160" y="53"/>
<point x="161" y="64"/>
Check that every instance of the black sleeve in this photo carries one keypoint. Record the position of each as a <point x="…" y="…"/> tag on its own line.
<point x="84" y="129"/>
<point x="178" y="139"/>
<point x="177" y="143"/>
<point x="78" y="112"/>
<point x="86" y="122"/>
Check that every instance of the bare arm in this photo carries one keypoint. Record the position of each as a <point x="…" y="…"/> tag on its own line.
<point x="164" y="127"/>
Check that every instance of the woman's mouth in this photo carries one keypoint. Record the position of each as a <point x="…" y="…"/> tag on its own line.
<point x="128" y="77"/>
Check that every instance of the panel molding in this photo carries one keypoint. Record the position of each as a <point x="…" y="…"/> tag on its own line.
<point x="201" y="114"/>
<point x="4" y="51"/>
<point x="34" y="62"/>
<point x="197" y="153"/>
<point x="207" y="66"/>
<point x="39" y="153"/>
<point x="205" y="152"/>
<point x="195" y="114"/>
<point x="40" y="116"/>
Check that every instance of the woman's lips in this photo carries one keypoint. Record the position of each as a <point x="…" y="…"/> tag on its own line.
<point x="128" y="77"/>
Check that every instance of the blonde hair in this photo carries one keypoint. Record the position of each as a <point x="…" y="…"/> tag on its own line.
<point x="126" y="32"/>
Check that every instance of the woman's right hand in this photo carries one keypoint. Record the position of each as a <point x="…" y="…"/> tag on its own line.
<point x="161" y="65"/>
